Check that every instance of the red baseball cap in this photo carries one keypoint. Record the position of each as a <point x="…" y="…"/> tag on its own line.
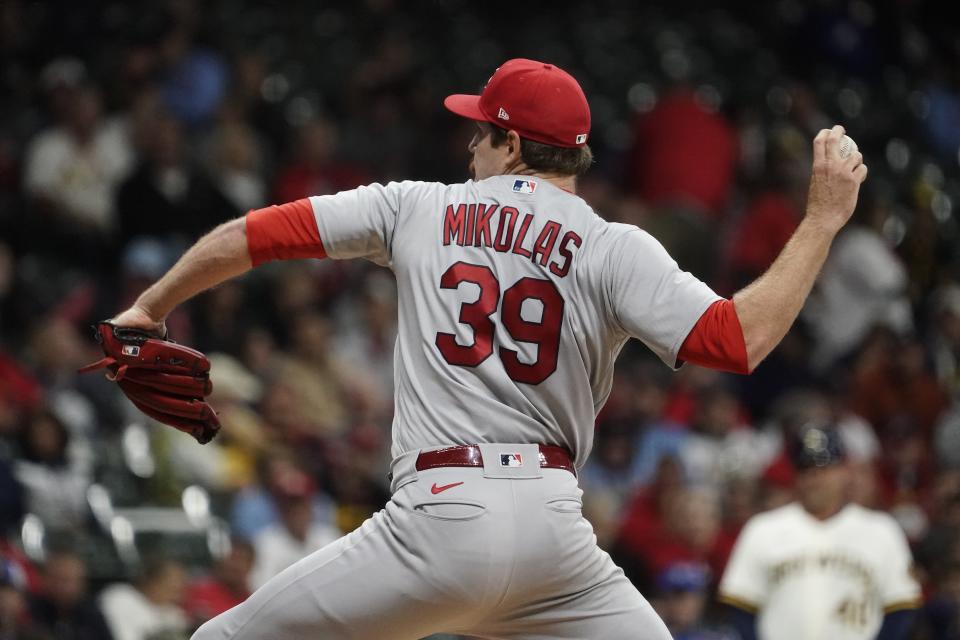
<point x="293" y="484"/>
<point x="540" y="101"/>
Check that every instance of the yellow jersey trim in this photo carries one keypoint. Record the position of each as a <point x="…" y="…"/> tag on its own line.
<point x="902" y="605"/>
<point x="739" y="603"/>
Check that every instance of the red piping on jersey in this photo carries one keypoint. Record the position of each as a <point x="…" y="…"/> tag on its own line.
<point x="716" y="341"/>
<point x="283" y="232"/>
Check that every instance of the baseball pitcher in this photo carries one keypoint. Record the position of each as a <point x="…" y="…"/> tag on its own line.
<point x="514" y="300"/>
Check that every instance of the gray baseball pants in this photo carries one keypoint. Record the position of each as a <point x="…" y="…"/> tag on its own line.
<point x="492" y="552"/>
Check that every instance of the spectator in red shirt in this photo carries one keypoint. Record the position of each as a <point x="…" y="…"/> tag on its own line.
<point x="18" y="389"/>
<point x="315" y="171"/>
<point x="670" y="523"/>
<point x="760" y="234"/>
<point x="227" y="585"/>
<point x="892" y="383"/>
<point x="684" y="152"/>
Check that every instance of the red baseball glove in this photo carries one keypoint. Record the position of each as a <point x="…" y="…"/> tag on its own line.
<point x="165" y="380"/>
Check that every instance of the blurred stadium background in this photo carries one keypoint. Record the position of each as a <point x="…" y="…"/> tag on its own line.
<point x="129" y="128"/>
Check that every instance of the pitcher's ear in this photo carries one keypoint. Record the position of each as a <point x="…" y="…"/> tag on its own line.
<point x="513" y="145"/>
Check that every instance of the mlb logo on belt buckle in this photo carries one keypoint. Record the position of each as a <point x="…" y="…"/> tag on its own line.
<point x="130" y="350"/>
<point x="511" y="460"/>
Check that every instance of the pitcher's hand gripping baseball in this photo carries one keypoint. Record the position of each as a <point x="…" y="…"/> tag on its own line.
<point x="838" y="172"/>
<point x="165" y="380"/>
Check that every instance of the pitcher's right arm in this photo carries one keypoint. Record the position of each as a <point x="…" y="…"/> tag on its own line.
<point x="357" y="223"/>
<point x="280" y="232"/>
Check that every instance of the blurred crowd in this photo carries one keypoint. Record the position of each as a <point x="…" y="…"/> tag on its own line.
<point x="127" y="129"/>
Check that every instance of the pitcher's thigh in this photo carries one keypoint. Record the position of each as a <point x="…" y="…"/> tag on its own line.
<point x="360" y="587"/>
<point x="612" y="610"/>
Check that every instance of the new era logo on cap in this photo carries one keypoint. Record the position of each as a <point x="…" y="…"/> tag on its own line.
<point x="503" y="115"/>
<point x="511" y="460"/>
<point x="581" y="138"/>
<point x="130" y="350"/>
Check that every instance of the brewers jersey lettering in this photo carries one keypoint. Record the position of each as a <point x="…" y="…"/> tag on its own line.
<point x="514" y="300"/>
<point x="810" y="580"/>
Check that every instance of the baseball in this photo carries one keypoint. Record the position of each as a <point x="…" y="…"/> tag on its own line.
<point x="847" y="146"/>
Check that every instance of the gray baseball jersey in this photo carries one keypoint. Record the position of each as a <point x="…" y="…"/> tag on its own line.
<point x="514" y="300"/>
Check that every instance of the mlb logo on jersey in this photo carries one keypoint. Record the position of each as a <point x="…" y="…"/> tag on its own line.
<point x="524" y="186"/>
<point x="131" y="350"/>
<point x="511" y="460"/>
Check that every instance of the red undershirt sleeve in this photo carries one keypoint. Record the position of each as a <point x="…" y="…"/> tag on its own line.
<point x="283" y="232"/>
<point x="716" y="341"/>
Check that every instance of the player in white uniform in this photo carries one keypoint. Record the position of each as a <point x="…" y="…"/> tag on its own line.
<point x="821" y="568"/>
<point x="514" y="301"/>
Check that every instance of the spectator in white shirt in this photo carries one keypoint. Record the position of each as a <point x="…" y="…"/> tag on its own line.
<point x="719" y="448"/>
<point x="53" y="470"/>
<point x="73" y="168"/>
<point x="863" y="284"/>
<point x="296" y="535"/>
<point x="149" y="608"/>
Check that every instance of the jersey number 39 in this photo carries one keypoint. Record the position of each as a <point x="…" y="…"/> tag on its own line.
<point x="545" y="333"/>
